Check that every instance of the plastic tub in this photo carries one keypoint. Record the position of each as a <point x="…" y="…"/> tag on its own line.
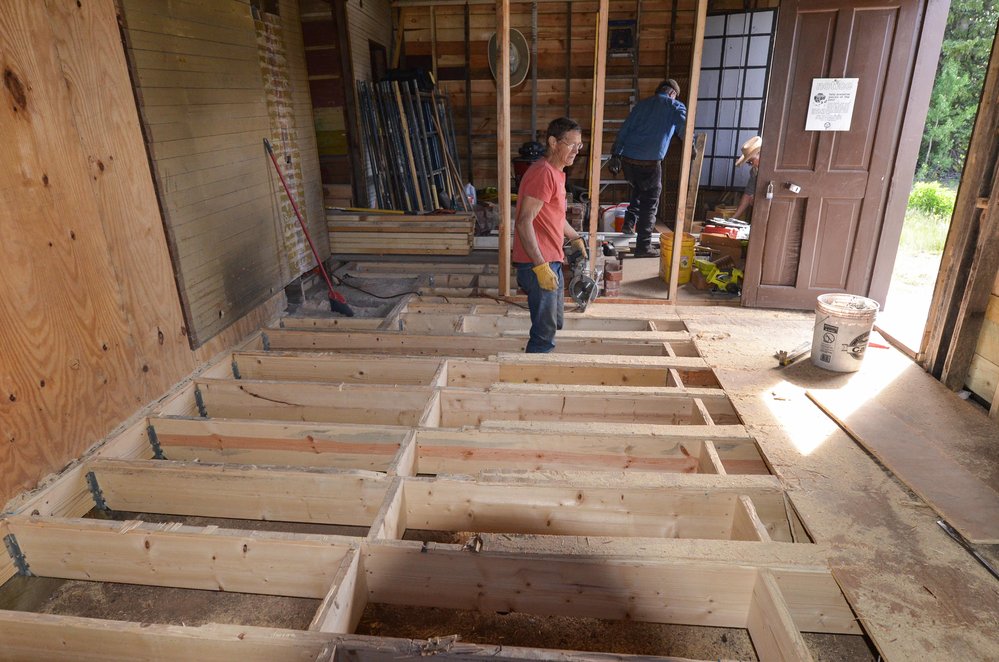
<point x="843" y="324"/>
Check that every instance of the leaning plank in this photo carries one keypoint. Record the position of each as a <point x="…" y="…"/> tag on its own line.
<point x="771" y="625"/>
<point x="970" y="505"/>
<point x="317" y="496"/>
<point x="31" y="637"/>
<point x="268" y="563"/>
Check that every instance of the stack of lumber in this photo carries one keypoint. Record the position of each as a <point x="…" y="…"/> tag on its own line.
<point x="400" y="234"/>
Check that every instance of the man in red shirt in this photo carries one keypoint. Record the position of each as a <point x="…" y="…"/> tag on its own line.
<point x="539" y="230"/>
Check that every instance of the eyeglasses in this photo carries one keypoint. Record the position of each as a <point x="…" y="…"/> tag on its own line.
<point x="573" y="147"/>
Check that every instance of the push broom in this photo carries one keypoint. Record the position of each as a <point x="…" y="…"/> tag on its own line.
<point x="337" y="303"/>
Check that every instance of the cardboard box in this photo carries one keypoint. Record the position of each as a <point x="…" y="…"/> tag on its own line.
<point x="722" y="246"/>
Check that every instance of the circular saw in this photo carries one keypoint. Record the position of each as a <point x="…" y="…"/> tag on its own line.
<point x="582" y="286"/>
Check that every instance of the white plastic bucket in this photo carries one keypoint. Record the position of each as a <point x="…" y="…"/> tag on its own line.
<point x="843" y="324"/>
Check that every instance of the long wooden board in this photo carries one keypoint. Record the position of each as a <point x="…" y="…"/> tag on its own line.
<point x="959" y="497"/>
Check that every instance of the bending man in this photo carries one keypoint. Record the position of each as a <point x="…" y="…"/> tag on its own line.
<point x="751" y="156"/>
<point x="641" y="145"/>
<point x="539" y="232"/>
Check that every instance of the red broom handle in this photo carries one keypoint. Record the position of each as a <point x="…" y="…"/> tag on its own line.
<point x="333" y="293"/>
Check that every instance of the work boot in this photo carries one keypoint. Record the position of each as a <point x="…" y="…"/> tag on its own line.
<point x="648" y="251"/>
<point x="628" y="230"/>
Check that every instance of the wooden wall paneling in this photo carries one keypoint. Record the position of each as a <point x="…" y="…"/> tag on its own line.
<point x="223" y="233"/>
<point x="944" y="320"/>
<point x="370" y="20"/>
<point x="554" y="47"/>
<point x="971" y="323"/>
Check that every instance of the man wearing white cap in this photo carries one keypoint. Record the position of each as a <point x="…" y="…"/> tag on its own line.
<point x="751" y="155"/>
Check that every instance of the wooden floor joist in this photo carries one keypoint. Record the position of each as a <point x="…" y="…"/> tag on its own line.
<point x="623" y="438"/>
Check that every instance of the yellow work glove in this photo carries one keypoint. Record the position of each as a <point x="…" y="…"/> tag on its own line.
<point x="579" y="245"/>
<point x="546" y="277"/>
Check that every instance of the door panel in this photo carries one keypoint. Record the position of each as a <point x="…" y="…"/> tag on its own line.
<point x="824" y="239"/>
<point x="783" y="245"/>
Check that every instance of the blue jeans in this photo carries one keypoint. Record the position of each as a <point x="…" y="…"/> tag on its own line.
<point x="546" y="307"/>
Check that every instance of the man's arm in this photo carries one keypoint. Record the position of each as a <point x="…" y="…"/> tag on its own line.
<point x="745" y="202"/>
<point x="570" y="232"/>
<point x="618" y="145"/>
<point x="524" y="227"/>
<point x="681" y="119"/>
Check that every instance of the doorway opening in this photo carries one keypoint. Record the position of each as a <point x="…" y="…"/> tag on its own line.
<point x="953" y="107"/>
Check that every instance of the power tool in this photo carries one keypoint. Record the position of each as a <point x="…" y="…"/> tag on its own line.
<point x="582" y="286"/>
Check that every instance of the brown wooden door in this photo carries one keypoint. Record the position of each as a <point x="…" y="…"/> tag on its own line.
<point x="826" y="238"/>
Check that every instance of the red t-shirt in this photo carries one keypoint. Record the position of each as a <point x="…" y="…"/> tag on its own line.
<point x="547" y="184"/>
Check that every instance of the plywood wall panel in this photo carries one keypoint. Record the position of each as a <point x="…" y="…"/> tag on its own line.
<point x="90" y="319"/>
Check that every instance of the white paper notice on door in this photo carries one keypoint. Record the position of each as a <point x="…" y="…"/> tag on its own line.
<point x="830" y="107"/>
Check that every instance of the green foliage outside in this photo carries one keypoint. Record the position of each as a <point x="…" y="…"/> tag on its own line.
<point x="923" y="233"/>
<point x="932" y="198"/>
<point x="964" y="57"/>
<point x="927" y="218"/>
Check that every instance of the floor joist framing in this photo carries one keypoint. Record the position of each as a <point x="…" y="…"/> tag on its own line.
<point x="433" y="420"/>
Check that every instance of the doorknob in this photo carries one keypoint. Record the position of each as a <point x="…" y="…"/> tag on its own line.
<point x="792" y="187"/>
